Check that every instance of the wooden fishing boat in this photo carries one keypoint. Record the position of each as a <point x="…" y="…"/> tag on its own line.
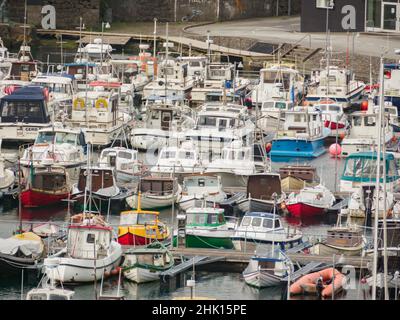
<point x="91" y="251"/>
<point x="342" y="239"/>
<point x="304" y="172"/>
<point x="47" y="185"/>
<point x="156" y="192"/>
<point x="307" y="283"/>
<point x="260" y="188"/>
<point x="267" y="271"/>
<point x="146" y="264"/>
<point x="290" y="184"/>
<point x="141" y="227"/>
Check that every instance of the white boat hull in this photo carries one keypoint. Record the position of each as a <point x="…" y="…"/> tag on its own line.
<point x="70" y="270"/>
<point x="261" y="279"/>
<point x="148" y="201"/>
<point x="140" y="275"/>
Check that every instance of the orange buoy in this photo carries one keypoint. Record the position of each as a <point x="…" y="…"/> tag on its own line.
<point x="114" y="272"/>
<point x="342" y="135"/>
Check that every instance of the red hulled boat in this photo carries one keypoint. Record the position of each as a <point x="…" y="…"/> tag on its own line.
<point x="47" y="186"/>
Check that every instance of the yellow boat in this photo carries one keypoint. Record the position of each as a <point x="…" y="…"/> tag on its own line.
<point x="141" y="227"/>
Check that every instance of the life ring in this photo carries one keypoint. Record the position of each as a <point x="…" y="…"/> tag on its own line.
<point x="79" y="103"/>
<point x="101" y="103"/>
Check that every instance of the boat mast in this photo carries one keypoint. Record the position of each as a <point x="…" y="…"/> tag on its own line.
<point x="377" y="186"/>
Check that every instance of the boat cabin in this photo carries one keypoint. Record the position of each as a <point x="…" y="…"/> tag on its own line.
<point x="139" y="217"/>
<point x="219" y="72"/>
<point x="303" y="172"/>
<point x="149" y="257"/>
<point x="50" y="294"/>
<point x="49" y="179"/>
<point x="160" y="186"/>
<point x="299" y="123"/>
<point x="261" y="221"/>
<point x="196" y="66"/>
<point x="205" y="217"/>
<point x="363" y="125"/>
<point x="26" y="104"/>
<point x="89" y="240"/>
<point x="57" y="85"/>
<point x="162" y="116"/>
<point x="102" y="178"/>
<point x="118" y="157"/>
<point x="60" y="136"/>
<point x="362" y="167"/>
<point x="221" y="120"/>
<point x="276" y="106"/>
<point x="344" y="237"/>
<point x="81" y="71"/>
<point x="200" y="184"/>
<point x="263" y="186"/>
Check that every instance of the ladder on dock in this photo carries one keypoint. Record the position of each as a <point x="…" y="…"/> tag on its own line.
<point x="310" y="267"/>
<point x="299" y="248"/>
<point x="186" y="265"/>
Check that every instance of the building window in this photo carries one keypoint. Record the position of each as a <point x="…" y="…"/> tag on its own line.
<point x="325" y="4"/>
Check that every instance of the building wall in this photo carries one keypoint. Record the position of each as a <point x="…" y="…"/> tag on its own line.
<point x="197" y="10"/>
<point x="68" y="12"/>
<point x="313" y="19"/>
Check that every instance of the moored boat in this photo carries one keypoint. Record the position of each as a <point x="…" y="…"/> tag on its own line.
<point x="147" y="263"/>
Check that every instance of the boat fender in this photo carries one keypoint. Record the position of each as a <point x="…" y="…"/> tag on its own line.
<point x="79" y="103"/>
<point x="101" y="103"/>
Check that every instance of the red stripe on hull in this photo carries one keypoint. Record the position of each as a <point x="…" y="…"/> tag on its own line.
<point x="131" y="240"/>
<point x="304" y="210"/>
<point x="30" y="198"/>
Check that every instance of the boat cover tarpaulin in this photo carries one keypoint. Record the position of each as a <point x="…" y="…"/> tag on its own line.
<point x="28" y="244"/>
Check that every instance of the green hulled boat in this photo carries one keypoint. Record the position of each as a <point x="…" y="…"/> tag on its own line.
<point x="209" y="228"/>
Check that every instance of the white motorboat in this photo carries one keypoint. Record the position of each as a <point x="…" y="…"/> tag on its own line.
<point x="198" y="188"/>
<point x="278" y="81"/>
<point x="334" y="83"/>
<point x="96" y="51"/>
<point x="179" y="160"/>
<point x="234" y="166"/>
<point x="260" y="229"/>
<point x="59" y="146"/>
<point x="165" y="125"/>
<point x="362" y="136"/>
<point x="7" y="178"/>
<point x="333" y="117"/>
<point x="172" y="80"/>
<point x="217" y="78"/>
<point x="90" y="253"/>
<point x="48" y="290"/>
<point x="217" y="125"/>
<point x="272" y="114"/>
<point x="156" y="192"/>
<point x="124" y="161"/>
<point x="96" y="113"/>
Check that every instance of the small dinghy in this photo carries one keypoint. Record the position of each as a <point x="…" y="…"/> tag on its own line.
<point x="332" y="280"/>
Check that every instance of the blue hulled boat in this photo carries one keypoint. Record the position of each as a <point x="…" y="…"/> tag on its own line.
<point x="302" y="137"/>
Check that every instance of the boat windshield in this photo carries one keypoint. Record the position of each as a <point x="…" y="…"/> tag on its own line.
<point x="274" y="105"/>
<point x="45" y="137"/>
<point x="196" y="219"/>
<point x="365" y="168"/>
<point x="147" y="218"/>
<point x="168" y="155"/>
<point x="186" y="155"/>
<point x="66" y="137"/>
<point x="56" y="87"/>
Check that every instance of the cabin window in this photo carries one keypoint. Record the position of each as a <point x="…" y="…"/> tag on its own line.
<point x="57" y="297"/>
<point x="168" y="154"/>
<point x="38" y="296"/>
<point x="213" y="219"/>
<point x="196" y="218"/>
<point x="269" y="105"/>
<point x="125" y="155"/>
<point x="90" y="238"/>
<point x="202" y="182"/>
<point x="45" y="137"/>
<point x="267" y="223"/>
<point x="277" y="223"/>
<point x="146" y="219"/>
<point x="23" y="109"/>
<point x="334" y="108"/>
<point x="256" y="222"/>
<point x="298" y="118"/>
<point x="208" y="121"/>
<point x="314" y="117"/>
<point x="357" y="121"/>
<point x="49" y="182"/>
<point x="194" y="63"/>
<point x="246" y="221"/>
<point x="369" y="121"/>
<point x="155" y="115"/>
<point x="62" y="137"/>
<point x="186" y="155"/>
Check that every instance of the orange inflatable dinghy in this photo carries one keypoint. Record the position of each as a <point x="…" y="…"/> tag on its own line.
<point x="308" y="283"/>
